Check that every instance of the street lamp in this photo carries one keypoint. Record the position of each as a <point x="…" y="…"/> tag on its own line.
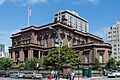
<point x="57" y="40"/>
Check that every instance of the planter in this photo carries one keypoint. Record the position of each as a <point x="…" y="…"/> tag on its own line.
<point x="66" y="69"/>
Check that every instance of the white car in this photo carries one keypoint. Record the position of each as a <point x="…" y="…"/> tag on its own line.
<point x="113" y="74"/>
<point x="16" y="74"/>
<point x="32" y="75"/>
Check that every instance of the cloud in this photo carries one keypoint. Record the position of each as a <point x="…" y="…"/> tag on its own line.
<point x="95" y="2"/>
<point x="76" y="3"/>
<point x="23" y="2"/>
<point x="2" y="1"/>
<point x="37" y="1"/>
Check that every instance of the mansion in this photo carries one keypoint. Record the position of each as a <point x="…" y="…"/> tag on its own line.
<point x="38" y="41"/>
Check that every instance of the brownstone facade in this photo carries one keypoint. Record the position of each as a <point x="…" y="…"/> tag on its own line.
<point x="38" y="41"/>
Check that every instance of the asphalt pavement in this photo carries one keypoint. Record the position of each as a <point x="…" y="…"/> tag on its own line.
<point x="93" y="78"/>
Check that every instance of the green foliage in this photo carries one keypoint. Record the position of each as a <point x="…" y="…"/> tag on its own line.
<point x="31" y="64"/>
<point x="111" y="64"/>
<point x="96" y="64"/>
<point x="67" y="56"/>
<point x="118" y="63"/>
<point x="5" y="63"/>
<point x="22" y="66"/>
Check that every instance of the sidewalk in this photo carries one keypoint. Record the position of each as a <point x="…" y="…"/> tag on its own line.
<point x="92" y="78"/>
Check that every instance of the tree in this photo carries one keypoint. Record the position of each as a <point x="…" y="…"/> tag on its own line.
<point x="96" y="64"/>
<point x="111" y="64"/>
<point x="67" y="56"/>
<point x="118" y="63"/>
<point x="31" y="64"/>
<point x="5" y="63"/>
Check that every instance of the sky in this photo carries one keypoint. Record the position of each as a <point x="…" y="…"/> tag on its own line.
<point x="100" y="14"/>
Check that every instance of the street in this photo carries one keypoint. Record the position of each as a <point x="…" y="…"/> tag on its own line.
<point x="93" y="78"/>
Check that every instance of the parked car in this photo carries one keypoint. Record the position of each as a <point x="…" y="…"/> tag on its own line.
<point x="33" y="74"/>
<point x="16" y="74"/>
<point x="113" y="73"/>
<point x="1" y="73"/>
<point x="6" y="74"/>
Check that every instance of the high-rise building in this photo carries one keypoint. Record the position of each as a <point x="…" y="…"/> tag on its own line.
<point x="113" y="37"/>
<point x="72" y="19"/>
<point x="2" y="50"/>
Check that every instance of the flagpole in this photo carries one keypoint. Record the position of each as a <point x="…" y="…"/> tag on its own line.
<point x="28" y="16"/>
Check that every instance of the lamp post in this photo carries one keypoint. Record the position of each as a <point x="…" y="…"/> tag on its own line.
<point x="58" y="34"/>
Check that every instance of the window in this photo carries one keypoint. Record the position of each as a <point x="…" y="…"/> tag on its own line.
<point x="25" y="55"/>
<point x="114" y="31"/>
<point x="39" y="40"/>
<point x="101" y="58"/>
<point x="55" y="20"/>
<point x="109" y="36"/>
<point x="114" y="45"/>
<point x="63" y="17"/>
<point x="46" y="42"/>
<point x="70" y="21"/>
<point x="118" y="52"/>
<point x="86" y="57"/>
<point x="114" y="28"/>
<point x="36" y="53"/>
<point x="114" y="35"/>
<point x="85" y="27"/>
<point x="118" y="56"/>
<point x="114" y="49"/>
<point x="115" y="53"/>
<point x="100" y="53"/>
<point x="109" y="32"/>
<point x="115" y="57"/>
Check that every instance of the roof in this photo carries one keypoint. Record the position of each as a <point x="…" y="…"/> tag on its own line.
<point x="73" y="13"/>
<point x="54" y="24"/>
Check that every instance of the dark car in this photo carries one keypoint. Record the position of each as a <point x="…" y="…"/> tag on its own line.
<point x="6" y="74"/>
<point x="1" y="73"/>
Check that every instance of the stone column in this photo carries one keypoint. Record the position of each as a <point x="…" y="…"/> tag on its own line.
<point x="13" y="56"/>
<point x="30" y="53"/>
<point x="39" y="55"/>
<point x="42" y="56"/>
<point x="21" y="54"/>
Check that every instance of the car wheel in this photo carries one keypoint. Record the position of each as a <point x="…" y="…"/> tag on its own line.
<point x="32" y="77"/>
<point x="23" y="76"/>
<point x="115" y="76"/>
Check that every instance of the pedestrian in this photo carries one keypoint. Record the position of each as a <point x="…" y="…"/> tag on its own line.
<point x="56" y="75"/>
<point x="53" y="74"/>
<point x="50" y="76"/>
<point x="72" y="75"/>
<point x="68" y="76"/>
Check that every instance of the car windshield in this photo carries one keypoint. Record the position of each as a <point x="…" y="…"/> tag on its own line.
<point x="37" y="72"/>
<point x="113" y="71"/>
<point x="13" y="72"/>
<point x="28" y="72"/>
